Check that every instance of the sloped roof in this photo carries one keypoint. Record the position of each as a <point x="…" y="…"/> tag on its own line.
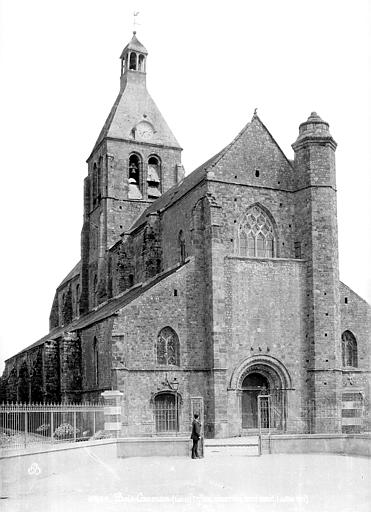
<point x="190" y="181"/>
<point x="135" y="45"/>
<point x="174" y="193"/>
<point x="105" y="311"/>
<point x="132" y="105"/>
<point x="74" y="272"/>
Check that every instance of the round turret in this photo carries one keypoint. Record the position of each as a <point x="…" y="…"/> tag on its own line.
<point x="314" y="129"/>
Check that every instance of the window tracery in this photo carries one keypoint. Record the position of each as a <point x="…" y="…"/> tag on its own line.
<point x="256" y="237"/>
<point x="167" y="347"/>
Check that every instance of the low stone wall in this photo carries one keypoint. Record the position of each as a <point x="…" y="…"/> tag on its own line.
<point x="154" y="446"/>
<point x="22" y="467"/>
<point x="347" y="444"/>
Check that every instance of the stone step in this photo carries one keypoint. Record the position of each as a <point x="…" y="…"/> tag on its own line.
<point x="235" y="446"/>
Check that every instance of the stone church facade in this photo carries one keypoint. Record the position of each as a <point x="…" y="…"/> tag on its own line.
<point x="223" y="284"/>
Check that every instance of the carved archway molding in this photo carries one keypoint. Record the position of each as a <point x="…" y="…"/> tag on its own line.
<point x="269" y="366"/>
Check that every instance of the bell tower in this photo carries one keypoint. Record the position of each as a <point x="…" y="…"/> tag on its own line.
<point x="135" y="159"/>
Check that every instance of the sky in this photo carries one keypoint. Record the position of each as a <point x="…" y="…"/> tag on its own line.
<point x="210" y="64"/>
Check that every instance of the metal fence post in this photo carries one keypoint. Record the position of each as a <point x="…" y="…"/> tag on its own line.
<point x="51" y="425"/>
<point x="25" y="427"/>
<point x="74" y="426"/>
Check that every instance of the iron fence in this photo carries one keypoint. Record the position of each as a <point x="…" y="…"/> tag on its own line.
<point x="348" y="417"/>
<point x="23" y="425"/>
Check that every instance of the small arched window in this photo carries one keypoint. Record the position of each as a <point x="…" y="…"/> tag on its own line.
<point x="77" y="300"/>
<point x="133" y="61"/>
<point x="99" y="177"/>
<point x="95" y="185"/>
<point x="256" y="237"/>
<point x="96" y="361"/>
<point x="141" y="61"/>
<point x="167" y="347"/>
<point x="153" y="177"/>
<point x="135" y="167"/>
<point x="349" y="349"/>
<point x="182" y="246"/>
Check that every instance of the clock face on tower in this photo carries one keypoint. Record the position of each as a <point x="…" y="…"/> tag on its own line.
<point x="144" y="130"/>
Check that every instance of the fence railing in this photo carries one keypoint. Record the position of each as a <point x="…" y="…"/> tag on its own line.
<point x="22" y="425"/>
<point x="347" y="417"/>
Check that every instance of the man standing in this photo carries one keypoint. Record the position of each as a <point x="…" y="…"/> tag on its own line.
<point x="195" y="436"/>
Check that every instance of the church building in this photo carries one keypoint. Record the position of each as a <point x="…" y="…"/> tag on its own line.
<point x="221" y="286"/>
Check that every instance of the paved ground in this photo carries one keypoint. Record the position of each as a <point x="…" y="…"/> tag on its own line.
<point x="300" y="483"/>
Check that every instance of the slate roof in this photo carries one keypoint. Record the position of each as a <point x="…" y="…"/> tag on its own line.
<point x="74" y="272"/>
<point x="135" y="45"/>
<point x="108" y="309"/>
<point x="190" y="181"/>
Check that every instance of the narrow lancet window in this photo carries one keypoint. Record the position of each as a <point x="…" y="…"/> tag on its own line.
<point x="182" y="246"/>
<point x="349" y="349"/>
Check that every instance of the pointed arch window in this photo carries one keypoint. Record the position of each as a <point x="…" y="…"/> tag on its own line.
<point x="256" y="236"/>
<point x="95" y="185"/>
<point x="167" y="347"/>
<point x="135" y="168"/>
<point x="77" y="300"/>
<point x="349" y="349"/>
<point x="182" y="246"/>
<point x="153" y="177"/>
<point x="99" y="177"/>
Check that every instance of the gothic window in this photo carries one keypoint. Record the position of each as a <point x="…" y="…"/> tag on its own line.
<point x="133" y="61"/>
<point x="99" y="178"/>
<point x="349" y="349"/>
<point x="77" y="300"/>
<point x="135" y="166"/>
<point x="166" y="412"/>
<point x="95" y="184"/>
<point x="167" y="347"/>
<point x="153" y="177"/>
<point x="95" y="361"/>
<point x="256" y="237"/>
<point x="182" y="246"/>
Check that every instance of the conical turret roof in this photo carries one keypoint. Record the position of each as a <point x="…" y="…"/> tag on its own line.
<point x="134" y="45"/>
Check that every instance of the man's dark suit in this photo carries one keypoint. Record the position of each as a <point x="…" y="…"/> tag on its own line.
<point x="195" y="436"/>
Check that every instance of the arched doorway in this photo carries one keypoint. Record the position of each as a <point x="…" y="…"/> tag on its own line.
<point x="255" y="385"/>
<point x="261" y="380"/>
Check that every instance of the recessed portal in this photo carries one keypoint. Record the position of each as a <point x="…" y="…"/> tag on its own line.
<point x="253" y="385"/>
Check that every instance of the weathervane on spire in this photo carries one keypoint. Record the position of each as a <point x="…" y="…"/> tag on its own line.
<point x="135" y="23"/>
<point x="256" y="111"/>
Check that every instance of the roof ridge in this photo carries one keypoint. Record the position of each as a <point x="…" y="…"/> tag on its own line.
<point x="255" y="116"/>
